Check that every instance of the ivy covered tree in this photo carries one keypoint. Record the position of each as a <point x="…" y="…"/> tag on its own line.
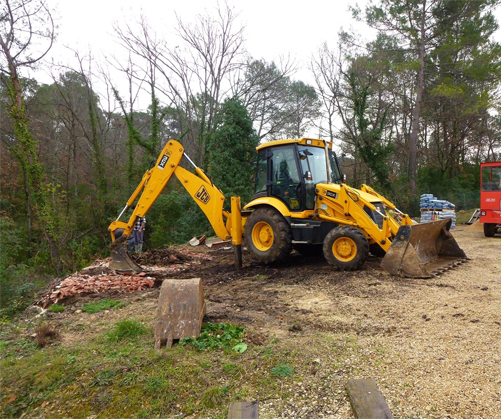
<point x="368" y="133"/>
<point x="27" y="32"/>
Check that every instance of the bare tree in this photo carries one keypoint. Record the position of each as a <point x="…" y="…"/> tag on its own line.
<point x="326" y="71"/>
<point x="193" y="75"/>
<point x="27" y="32"/>
<point x="263" y="91"/>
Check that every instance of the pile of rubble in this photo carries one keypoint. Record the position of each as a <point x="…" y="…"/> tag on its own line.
<point x="99" y="278"/>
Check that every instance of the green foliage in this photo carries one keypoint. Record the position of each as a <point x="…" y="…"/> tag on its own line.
<point x="18" y="281"/>
<point x="215" y="336"/>
<point x="126" y="329"/>
<point x="175" y="218"/>
<point x="231" y="150"/>
<point x="56" y="308"/>
<point x="282" y="370"/>
<point x="370" y="143"/>
<point x="104" y="304"/>
<point x="462" y="189"/>
<point x="12" y="244"/>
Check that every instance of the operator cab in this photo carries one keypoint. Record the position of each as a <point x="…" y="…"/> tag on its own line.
<point x="290" y="169"/>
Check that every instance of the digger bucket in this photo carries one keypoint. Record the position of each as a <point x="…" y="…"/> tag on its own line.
<point x="181" y="308"/>
<point x="423" y="250"/>
<point x="120" y="258"/>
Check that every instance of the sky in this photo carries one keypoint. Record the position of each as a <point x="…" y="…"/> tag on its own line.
<point x="272" y="27"/>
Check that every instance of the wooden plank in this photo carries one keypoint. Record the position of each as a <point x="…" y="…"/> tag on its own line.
<point x="366" y="400"/>
<point x="243" y="410"/>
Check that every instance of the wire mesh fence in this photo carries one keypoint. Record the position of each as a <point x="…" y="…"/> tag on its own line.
<point x="464" y="200"/>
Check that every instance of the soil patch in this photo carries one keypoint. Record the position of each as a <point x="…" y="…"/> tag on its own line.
<point x="433" y="346"/>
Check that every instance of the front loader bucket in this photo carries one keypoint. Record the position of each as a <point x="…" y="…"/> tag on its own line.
<point x="120" y="258"/>
<point x="423" y="250"/>
<point x="181" y="308"/>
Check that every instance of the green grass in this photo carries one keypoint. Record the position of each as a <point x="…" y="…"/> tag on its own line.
<point x="282" y="370"/>
<point x="104" y="304"/>
<point x="463" y="216"/>
<point x="117" y="373"/>
<point x="56" y="308"/>
<point x="126" y="329"/>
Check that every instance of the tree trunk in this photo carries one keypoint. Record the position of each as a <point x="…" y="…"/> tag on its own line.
<point x="416" y="112"/>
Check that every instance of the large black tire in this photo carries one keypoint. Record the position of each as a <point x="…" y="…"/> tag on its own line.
<point x="268" y="235"/>
<point x="346" y="248"/>
<point x="489" y="229"/>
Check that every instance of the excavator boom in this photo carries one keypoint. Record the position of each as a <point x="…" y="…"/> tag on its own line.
<point x="207" y="196"/>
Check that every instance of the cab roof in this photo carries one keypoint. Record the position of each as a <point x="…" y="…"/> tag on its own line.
<point x="303" y="141"/>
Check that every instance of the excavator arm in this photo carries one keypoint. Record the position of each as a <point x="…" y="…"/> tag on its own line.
<point x="207" y="196"/>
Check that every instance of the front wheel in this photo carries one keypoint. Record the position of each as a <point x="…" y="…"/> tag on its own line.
<point x="489" y="229"/>
<point x="346" y="248"/>
<point x="268" y="235"/>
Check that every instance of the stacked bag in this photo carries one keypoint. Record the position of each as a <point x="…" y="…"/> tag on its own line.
<point x="433" y="209"/>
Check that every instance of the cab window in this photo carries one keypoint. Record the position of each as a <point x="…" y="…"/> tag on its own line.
<point x="261" y="172"/>
<point x="491" y="178"/>
<point x="285" y="176"/>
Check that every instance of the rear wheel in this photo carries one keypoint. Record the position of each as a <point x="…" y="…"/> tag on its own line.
<point x="489" y="229"/>
<point x="268" y="235"/>
<point x="346" y="248"/>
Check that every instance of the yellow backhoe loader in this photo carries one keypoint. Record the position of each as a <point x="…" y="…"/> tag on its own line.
<point x="301" y="202"/>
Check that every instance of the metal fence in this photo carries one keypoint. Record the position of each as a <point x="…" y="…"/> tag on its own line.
<point x="464" y="200"/>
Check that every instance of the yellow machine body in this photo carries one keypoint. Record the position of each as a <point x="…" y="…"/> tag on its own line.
<point x="301" y="202"/>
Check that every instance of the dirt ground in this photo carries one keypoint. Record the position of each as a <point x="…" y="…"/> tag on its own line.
<point x="433" y="346"/>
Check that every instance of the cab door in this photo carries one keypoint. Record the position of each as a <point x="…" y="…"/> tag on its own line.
<point x="285" y="176"/>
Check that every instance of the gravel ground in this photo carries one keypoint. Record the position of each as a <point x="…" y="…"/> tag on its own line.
<point x="433" y="346"/>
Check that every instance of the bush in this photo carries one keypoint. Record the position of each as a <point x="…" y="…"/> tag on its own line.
<point x="175" y="218"/>
<point x="18" y="282"/>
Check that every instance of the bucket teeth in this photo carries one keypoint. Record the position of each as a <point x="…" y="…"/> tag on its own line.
<point x="121" y="261"/>
<point x="452" y="265"/>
